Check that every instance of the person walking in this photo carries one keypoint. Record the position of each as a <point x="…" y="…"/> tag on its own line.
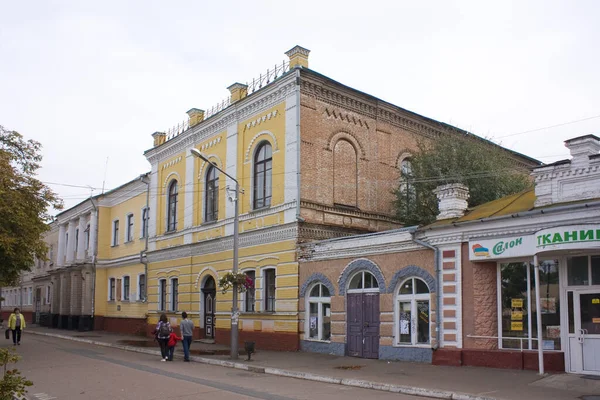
<point x="16" y="323"/>
<point x="187" y="332"/>
<point x="173" y="338"/>
<point x="163" y="332"/>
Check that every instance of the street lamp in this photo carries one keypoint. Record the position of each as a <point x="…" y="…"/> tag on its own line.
<point x="234" y="309"/>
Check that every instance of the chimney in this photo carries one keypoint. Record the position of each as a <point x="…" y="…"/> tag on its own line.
<point x="298" y="57"/>
<point x="582" y="148"/>
<point x="452" y="200"/>
<point x="196" y="116"/>
<point x="159" y="138"/>
<point x="238" y="91"/>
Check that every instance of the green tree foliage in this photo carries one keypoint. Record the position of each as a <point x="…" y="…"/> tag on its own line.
<point x="12" y="383"/>
<point x="487" y="170"/>
<point x="24" y="204"/>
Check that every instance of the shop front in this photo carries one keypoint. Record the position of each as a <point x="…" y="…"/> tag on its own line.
<point x="548" y="289"/>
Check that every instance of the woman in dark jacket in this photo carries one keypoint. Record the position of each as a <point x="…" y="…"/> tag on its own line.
<point x="163" y="331"/>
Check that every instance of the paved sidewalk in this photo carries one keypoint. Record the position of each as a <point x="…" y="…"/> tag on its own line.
<point x="467" y="383"/>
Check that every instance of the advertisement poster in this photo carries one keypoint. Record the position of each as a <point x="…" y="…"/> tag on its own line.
<point x="548" y="305"/>
<point x="553" y="331"/>
<point x="313" y="322"/>
<point x="516" y="326"/>
<point x="516" y="315"/>
<point x="516" y="303"/>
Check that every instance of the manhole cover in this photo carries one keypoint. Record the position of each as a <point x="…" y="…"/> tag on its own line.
<point x="592" y="377"/>
<point x="590" y="397"/>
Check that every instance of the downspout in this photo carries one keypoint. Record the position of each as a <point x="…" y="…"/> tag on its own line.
<point x="298" y="217"/>
<point x="94" y="257"/>
<point x="438" y="314"/>
<point x="143" y="257"/>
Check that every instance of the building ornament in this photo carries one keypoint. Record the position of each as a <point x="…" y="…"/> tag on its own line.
<point x="174" y="161"/>
<point x="260" y="120"/>
<point x="249" y="149"/>
<point x="345" y="117"/>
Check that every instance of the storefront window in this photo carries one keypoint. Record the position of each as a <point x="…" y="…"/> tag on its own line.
<point x="519" y="328"/>
<point x="577" y="271"/>
<point x="319" y="313"/>
<point x="413" y="312"/>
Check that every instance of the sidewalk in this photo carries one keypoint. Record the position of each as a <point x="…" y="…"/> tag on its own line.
<point x="466" y="383"/>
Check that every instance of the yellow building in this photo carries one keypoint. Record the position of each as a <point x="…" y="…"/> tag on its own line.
<point x="120" y="290"/>
<point x="254" y="137"/>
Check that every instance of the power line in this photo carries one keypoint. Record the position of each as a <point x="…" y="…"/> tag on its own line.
<point x="548" y="127"/>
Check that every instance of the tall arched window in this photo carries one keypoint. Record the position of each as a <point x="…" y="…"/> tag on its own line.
<point x="412" y="312"/>
<point x="172" y="207"/>
<point x="262" y="176"/>
<point x="345" y="174"/>
<point x="318" y="308"/>
<point x="211" y="200"/>
<point x="407" y="188"/>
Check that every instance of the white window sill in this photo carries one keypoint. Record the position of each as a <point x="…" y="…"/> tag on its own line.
<point x="420" y="345"/>
<point x="317" y="340"/>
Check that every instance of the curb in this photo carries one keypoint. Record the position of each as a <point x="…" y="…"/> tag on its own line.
<point x="385" y="387"/>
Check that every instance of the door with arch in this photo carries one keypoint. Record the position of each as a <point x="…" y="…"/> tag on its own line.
<point x="362" y="310"/>
<point x="209" y="292"/>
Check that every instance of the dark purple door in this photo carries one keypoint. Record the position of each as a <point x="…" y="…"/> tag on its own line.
<point x="363" y="325"/>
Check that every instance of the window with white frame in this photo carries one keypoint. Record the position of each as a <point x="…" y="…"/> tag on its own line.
<point x="87" y="237"/>
<point x="211" y="196"/>
<point x="363" y="281"/>
<point x="318" y="308"/>
<point x="174" y="294"/>
<point x="111" y="289"/>
<point x="115" y="232"/>
<point x="269" y="289"/>
<point x="162" y="295"/>
<point x="142" y="287"/>
<point x="145" y="219"/>
<point x="126" y="288"/>
<point x="130" y="227"/>
<point x="250" y="294"/>
<point x="412" y="313"/>
<point x="172" y="200"/>
<point x="263" y="165"/>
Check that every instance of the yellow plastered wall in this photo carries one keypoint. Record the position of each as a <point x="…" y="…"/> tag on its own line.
<point x="268" y="126"/>
<point x="172" y="168"/>
<point x="100" y="293"/>
<point x="215" y="149"/>
<point x="134" y="307"/>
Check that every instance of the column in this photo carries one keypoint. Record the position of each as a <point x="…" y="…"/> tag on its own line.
<point x="81" y="239"/>
<point x="71" y="243"/>
<point x="93" y="231"/>
<point x="154" y="204"/>
<point x="60" y="259"/>
<point x="65" y="299"/>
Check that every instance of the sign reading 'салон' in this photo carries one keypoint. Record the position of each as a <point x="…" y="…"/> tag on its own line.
<point x="573" y="237"/>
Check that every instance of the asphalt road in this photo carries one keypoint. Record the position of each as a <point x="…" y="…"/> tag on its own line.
<point x="61" y="369"/>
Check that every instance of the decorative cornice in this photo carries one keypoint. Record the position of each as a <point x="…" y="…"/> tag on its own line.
<point x="334" y="210"/>
<point x="359" y="265"/>
<point x="412" y="271"/>
<point x="307" y="255"/>
<point x="317" y="278"/>
<point x="118" y="262"/>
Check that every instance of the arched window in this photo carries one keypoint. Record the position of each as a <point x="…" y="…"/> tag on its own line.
<point x="363" y="281"/>
<point x="345" y="174"/>
<point x="407" y="188"/>
<point x="412" y="312"/>
<point x="262" y="176"/>
<point x="211" y="200"/>
<point x="318" y="310"/>
<point x="172" y="207"/>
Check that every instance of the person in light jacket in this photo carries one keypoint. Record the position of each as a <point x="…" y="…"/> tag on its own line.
<point x="16" y="323"/>
<point x="187" y="332"/>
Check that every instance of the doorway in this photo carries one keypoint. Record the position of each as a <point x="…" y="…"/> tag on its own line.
<point x="584" y="331"/>
<point x="362" y="311"/>
<point x="209" y="292"/>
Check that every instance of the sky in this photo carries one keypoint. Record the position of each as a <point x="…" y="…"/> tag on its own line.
<point x="92" y="81"/>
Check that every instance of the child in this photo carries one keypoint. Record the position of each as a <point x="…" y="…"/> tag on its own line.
<point x="171" y="345"/>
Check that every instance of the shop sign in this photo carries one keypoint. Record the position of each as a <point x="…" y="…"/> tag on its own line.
<point x="516" y="303"/>
<point x="491" y="249"/>
<point x="516" y="326"/>
<point x="568" y="237"/>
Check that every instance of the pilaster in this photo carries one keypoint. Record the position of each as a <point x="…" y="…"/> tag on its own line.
<point x="154" y="190"/>
<point x="60" y="258"/>
<point x="231" y="161"/>
<point x="71" y="243"/>
<point x="93" y="234"/>
<point x="81" y="239"/>
<point x="190" y="180"/>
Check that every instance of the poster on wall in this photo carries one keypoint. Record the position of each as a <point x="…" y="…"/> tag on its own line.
<point x="548" y="305"/>
<point x="404" y="324"/>
<point x="553" y="331"/>
<point x="516" y="303"/>
<point x="313" y="322"/>
<point x="516" y="326"/>
<point x="516" y="315"/>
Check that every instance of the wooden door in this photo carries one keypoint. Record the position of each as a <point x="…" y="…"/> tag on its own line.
<point x="354" y="312"/>
<point x="363" y="324"/>
<point x="209" y="314"/>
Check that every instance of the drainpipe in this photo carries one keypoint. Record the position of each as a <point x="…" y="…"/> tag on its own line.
<point x="298" y="218"/>
<point x="143" y="257"/>
<point x="436" y="256"/>
<point x="94" y="257"/>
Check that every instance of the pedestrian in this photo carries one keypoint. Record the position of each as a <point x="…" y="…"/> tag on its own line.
<point x="187" y="332"/>
<point x="173" y="338"/>
<point x="16" y="323"/>
<point x="163" y="332"/>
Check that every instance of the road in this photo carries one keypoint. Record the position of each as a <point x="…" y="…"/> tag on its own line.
<point x="61" y="369"/>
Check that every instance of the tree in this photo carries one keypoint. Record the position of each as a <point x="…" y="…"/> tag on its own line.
<point x="489" y="171"/>
<point x="24" y="205"/>
<point x="12" y="383"/>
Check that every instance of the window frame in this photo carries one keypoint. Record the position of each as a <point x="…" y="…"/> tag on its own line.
<point x="174" y="294"/>
<point x="320" y="301"/>
<point x="141" y="294"/>
<point x="162" y="294"/>
<point x="172" y="203"/>
<point x="145" y="218"/>
<point x="412" y="298"/>
<point x="126" y="288"/>
<point x="363" y="289"/>
<point x="211" y="194"/>
<point x="76" y="241"/>
<point x="265" y="289"/>
<point x="130" y="227"/>
<point x="267" y="171"/>
<point x="112" y="288"/>
<point x="115" y="233"/>
<point x="87" y="237"/>
<point x="253" y="291"/>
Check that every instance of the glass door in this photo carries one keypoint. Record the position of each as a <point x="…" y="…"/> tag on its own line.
<point x="587" y="331"/>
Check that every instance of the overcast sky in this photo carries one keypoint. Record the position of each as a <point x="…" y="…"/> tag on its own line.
<point x="92" y="80"/>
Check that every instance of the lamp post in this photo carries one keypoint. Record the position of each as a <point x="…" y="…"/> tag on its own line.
<point x="234" y="309"/>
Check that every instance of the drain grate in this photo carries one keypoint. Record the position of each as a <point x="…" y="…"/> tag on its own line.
<point x="591" y="377"/>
